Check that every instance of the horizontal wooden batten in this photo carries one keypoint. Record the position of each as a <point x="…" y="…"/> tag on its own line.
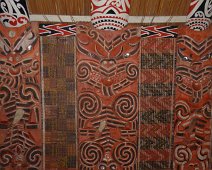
<point x="132" y="19"/>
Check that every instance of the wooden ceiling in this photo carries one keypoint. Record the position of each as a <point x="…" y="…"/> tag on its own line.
<point x="82" y="7"/>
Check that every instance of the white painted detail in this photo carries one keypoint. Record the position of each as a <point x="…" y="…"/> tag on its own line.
<point x="53" y="18"/>
<point x="161" y="19"/>
<point x="65" y="18"/>
<point x="37" y="18"/>
<point x="132" y="19"/>
<point x="147" y="19"/>
<point x="178" y="19"/>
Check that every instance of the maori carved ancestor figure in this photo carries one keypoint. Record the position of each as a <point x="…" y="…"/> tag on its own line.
<point x="20" y="111"/>
<point x="107" y="87"/>
<point x="193" y="100"/>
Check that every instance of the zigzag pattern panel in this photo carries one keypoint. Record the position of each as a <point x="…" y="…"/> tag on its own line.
<point x="20" y="98"/>
<point x="156" y="103"/>
<point x="60" y="29"/>
<point x="192" y="126"/>
<point x="59" y="96"/>
<point x="159" y="31"/>
<point x="107" y="102"/>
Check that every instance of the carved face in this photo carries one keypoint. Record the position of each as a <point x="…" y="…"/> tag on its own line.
<point x="194" y="71"/>
<point x="19" y="67"/>
<point x="109" y="65"/>
<point x="17" y="50"/>
<point x="110" y="14"/>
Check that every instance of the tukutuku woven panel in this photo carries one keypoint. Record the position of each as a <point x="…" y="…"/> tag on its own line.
<point x="59" y="102"/>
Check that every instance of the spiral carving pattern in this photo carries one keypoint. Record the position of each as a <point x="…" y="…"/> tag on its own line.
<point x="132" y="71"/>
<point x="89" y="104"/>
<point x="125" y="154"/>
<point x="126" y="105"/>
<point x="91" y="153"/>
<point x="5" y="157"/>
<point x="83" y="71"/>
<point x="182" y="154"/>
<point x="34" y="156"/>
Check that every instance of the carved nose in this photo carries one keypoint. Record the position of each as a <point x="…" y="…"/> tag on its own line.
<point x="13" y="57"/>
<point x="196" y="86"/>
<point x="108" y="63"/>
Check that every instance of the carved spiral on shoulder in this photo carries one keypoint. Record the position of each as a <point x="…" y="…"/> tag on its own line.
<point x="132" y="71"/>
<point x="35" y="65"/>
<point x="182" y="110"/>
<point x="93" y="34"/>
<point x="89" y="104"/>
<point x="5" y="157"/>
<point x="203" y="153"/>
<point x="207" y="110"/>
<point x="125" y="35"/>
<point x="182" y="154"/>
<point x="126" y="154"/>
<point x="83" y="71"/>
<point x="91" y="153"/>
<point x="126" y="105"/>
<point x="179" y="79"/>
<point x="33" y="156"/>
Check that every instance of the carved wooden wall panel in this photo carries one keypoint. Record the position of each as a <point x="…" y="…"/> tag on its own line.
<point x="59" y="102"/>
<point x="192" y="126"/>
<point x="107" y="90"/>
<point x="20" y="98"/>
<point x="156" y="92"/>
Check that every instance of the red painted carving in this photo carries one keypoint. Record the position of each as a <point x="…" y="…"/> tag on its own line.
<point x="20" y="110"/>
<point x="107" y="90"/>
<point x="192" y="131"/>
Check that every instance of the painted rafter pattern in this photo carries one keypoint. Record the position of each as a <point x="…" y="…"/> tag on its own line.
<point x="110" y="15"/>
<point x="13" y="13"/>
<point x="199" y="15"/>
<point x="70" y="30"/>
<point x="159" y="31"/>
<point x="60" y="29"/>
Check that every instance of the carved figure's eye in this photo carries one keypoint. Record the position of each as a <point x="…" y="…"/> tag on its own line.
<point x="126" y="55"/>
<point x="111" y="62"/>
<point x="183" y="57"/>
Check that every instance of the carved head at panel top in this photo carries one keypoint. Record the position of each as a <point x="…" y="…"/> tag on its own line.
<point x="193" y="74"/>
<point x="110" y="14"/>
